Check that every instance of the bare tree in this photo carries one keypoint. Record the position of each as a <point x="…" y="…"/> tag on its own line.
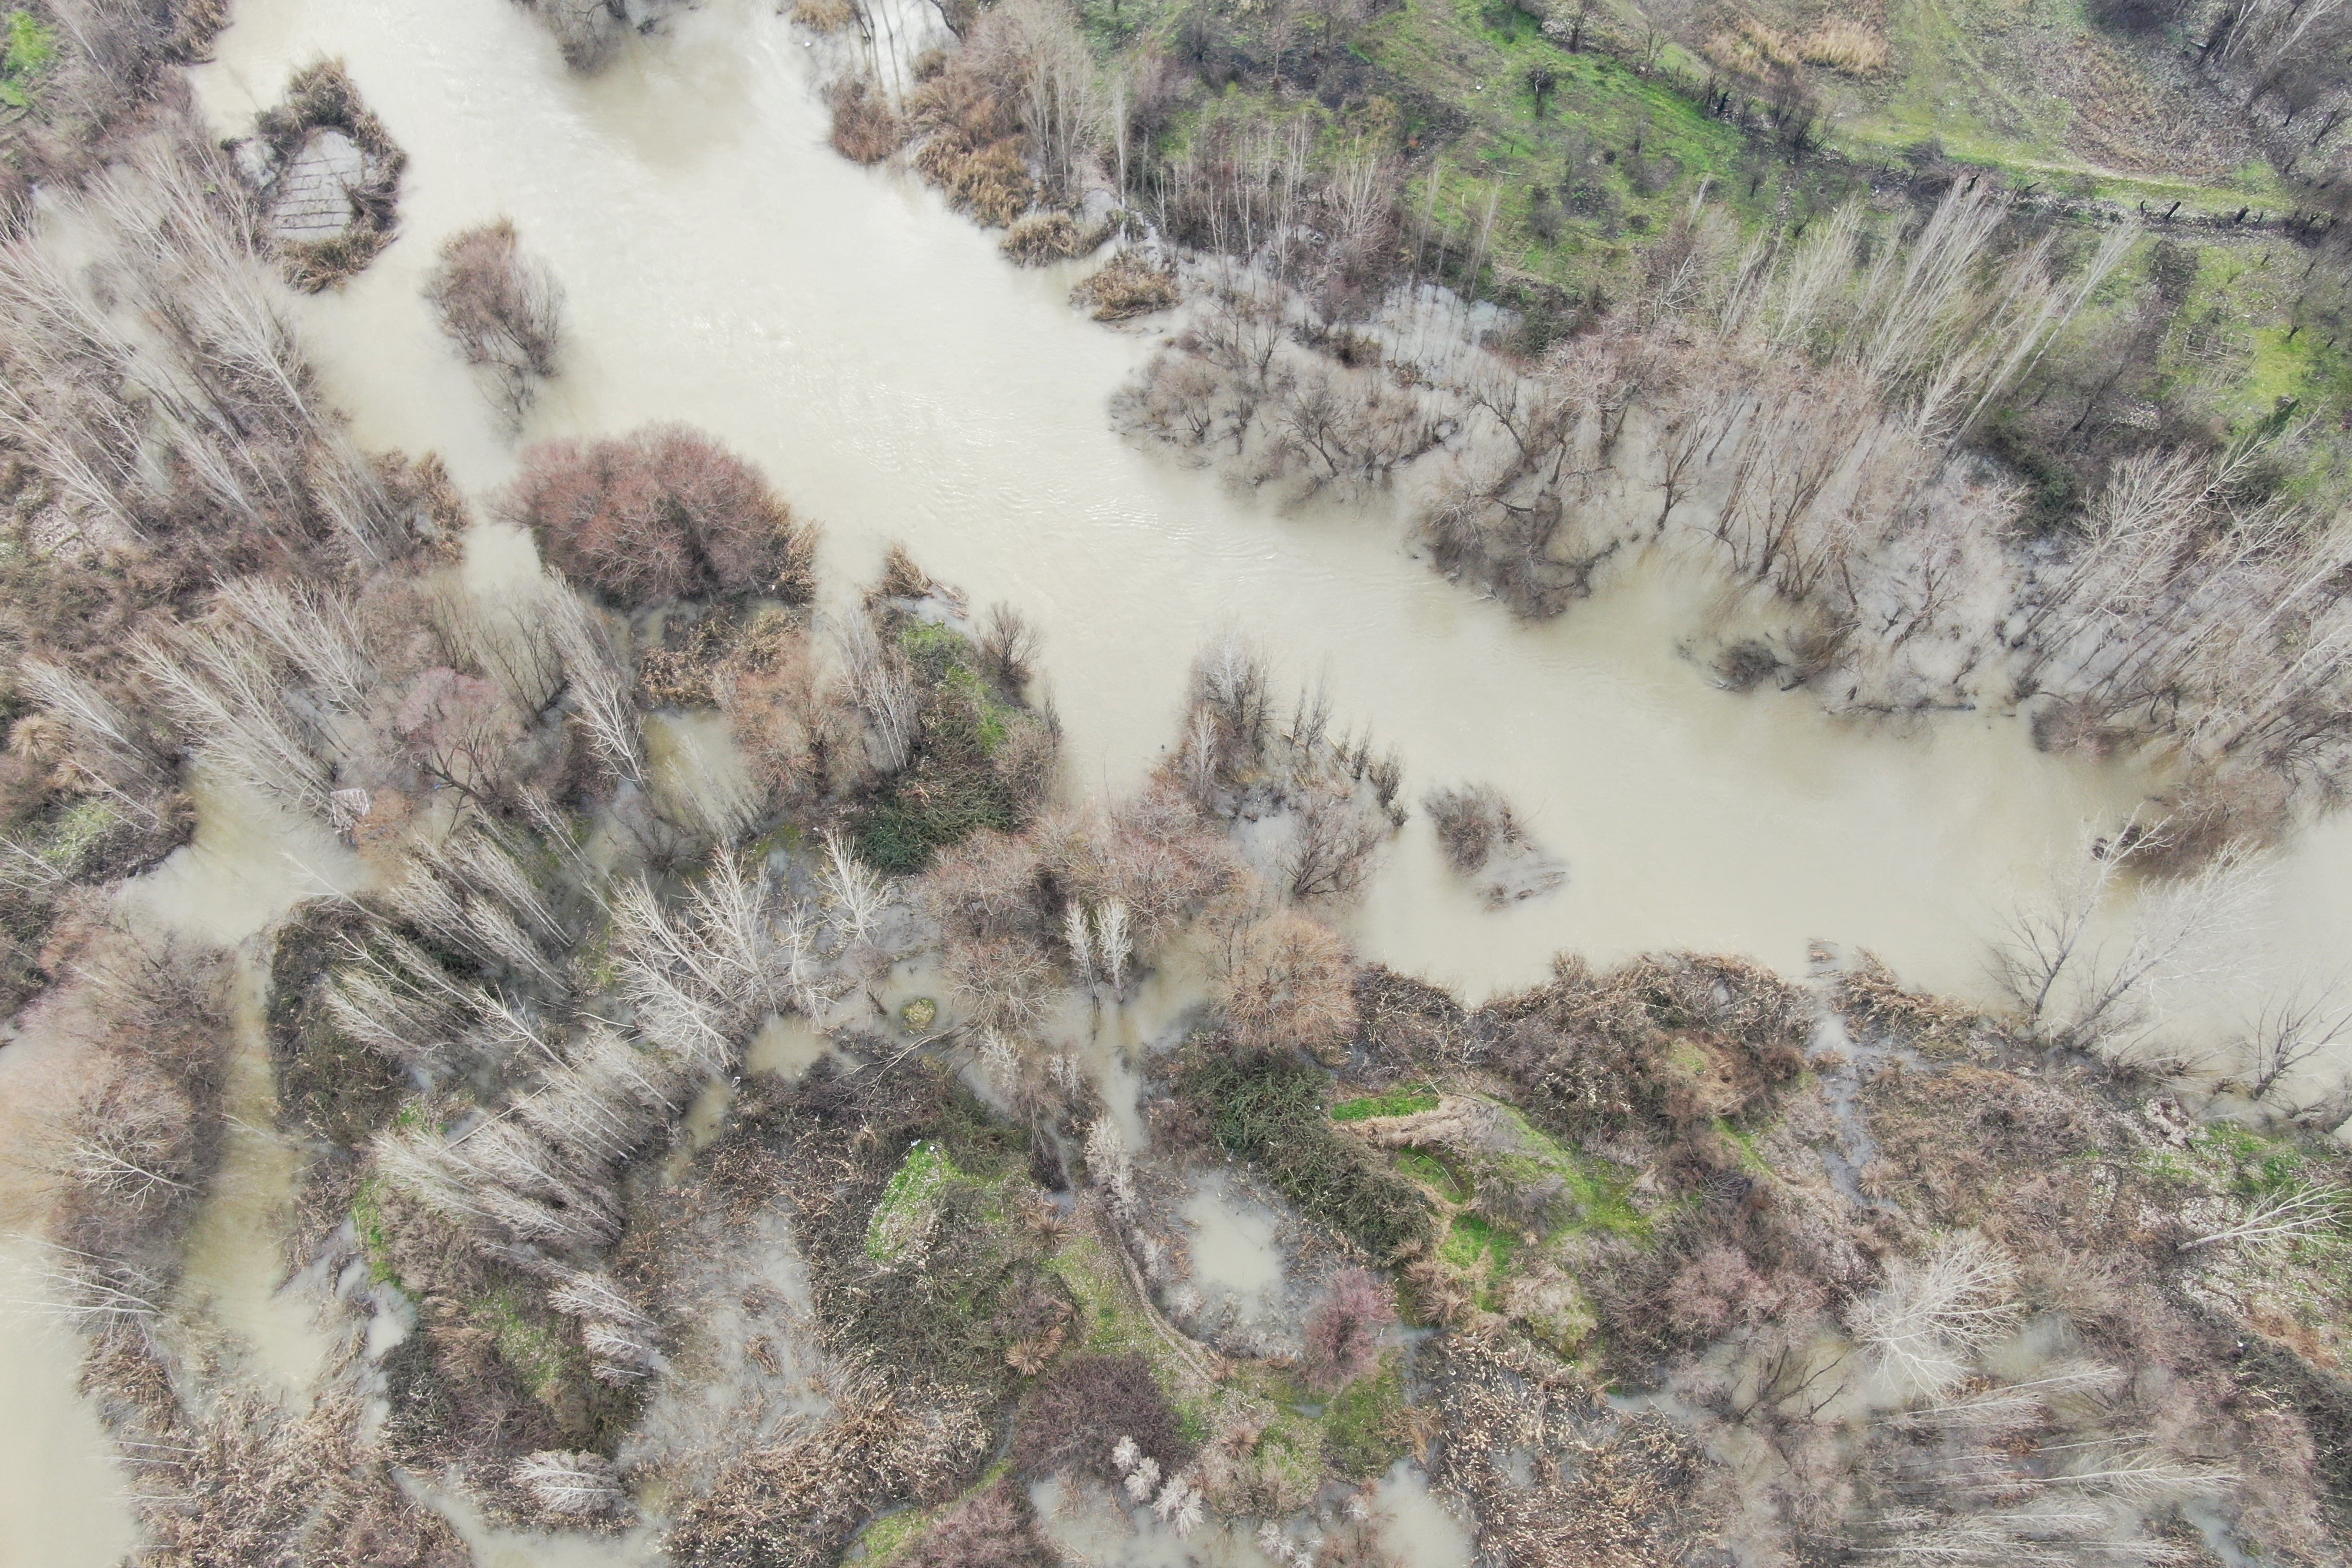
<point x="2282" y="1216"/>
<point x="2082" y="985"/>
<point x="1334" y="841"/>
<point x="1077" y="935"/>
<point x="501" y="308"/>
<point x="1008" y="647"/>
<point x="883" y="691"/>
<point x="1934" y="1310"/>
<point x="1115" y="941"/>
<point x="115" y="753"/>
<point x="377" y="1005"/>
<point x="853" y="889"/>
<point x="731" y="909"/>
<point x="2291" y="1029"/>
<point x="311" y="630"/>
<point x="598" y="678"/>
<point x="216" y="685"/>
<point x="509" y="638"/>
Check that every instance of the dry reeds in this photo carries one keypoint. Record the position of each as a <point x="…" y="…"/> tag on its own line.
<point x="1043" y="238"/>
<point x="865" y="130"/>
<point x="1845" y="44"/>
<point x="1125" y="288"/>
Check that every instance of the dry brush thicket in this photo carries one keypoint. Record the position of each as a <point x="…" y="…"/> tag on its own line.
<point x="664" y="512"/>
<point x="1485" y="840"/>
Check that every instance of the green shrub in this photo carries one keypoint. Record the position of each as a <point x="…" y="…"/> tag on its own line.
<point x="978" y="759"/>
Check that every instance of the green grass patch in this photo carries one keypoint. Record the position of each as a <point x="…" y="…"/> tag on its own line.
<point x="543" y="1361"/>
<point x="1600" y="1191"/>
<point x="26" y="49"/>
<point x="892" y="1534"/>
<point x="2257" y="1165"/>
<point x="908" y="1204"/>
<point x="1744" y="1139"/>
<point x="1473" y="1238"/>
<point x="1364" y="1429"/>
<point x="1418" y="1166"/>
<point x="1106" y="1323"/>
<point x="77" y="831"/>
<point x="374" y="1234"/>
<point x="1395" y="1102"/>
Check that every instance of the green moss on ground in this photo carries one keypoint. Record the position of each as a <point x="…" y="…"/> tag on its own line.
<point x="909" y="1205"/>
<point x="1365" y="1428"/>
<point x="1395" y="1102"/>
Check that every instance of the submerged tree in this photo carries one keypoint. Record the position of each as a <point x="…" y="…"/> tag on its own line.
<point x="501" y="308"/>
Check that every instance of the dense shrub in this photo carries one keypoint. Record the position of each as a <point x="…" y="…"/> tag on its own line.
<point x="1680" y="1040"/>
<point x="864" y="128"/>
<point x="586" y="32"/>
<point x="1044" y="237"/>
<point x="1284" y="981"/>
<point x="977" y="761"/>
<point x="797" y="732"/>
<point x="1078" y="1412"/>
<point x="1473" y="823"/>
<point x="1343" y="1332"/>
<point x="1126" y="287"/>
<point x="663" y="513"/>
<point x="1267" y="1107"/>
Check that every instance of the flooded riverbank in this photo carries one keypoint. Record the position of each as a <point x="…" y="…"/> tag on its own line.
<point x="900" y="381"/>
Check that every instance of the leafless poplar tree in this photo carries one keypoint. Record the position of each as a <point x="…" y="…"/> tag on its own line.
<point x="598" y="677"/>
<point x="1933" y="1312"/>
<point x="885" y="695"/>
<point x="2084" y="987"/>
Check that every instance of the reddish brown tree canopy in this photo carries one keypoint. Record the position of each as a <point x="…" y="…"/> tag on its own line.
<point x="661" y="512"/>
